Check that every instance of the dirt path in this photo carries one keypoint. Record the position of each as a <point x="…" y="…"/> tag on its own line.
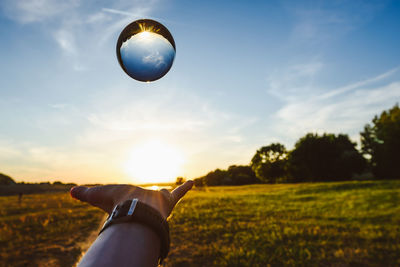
<point x="84" y="246"/>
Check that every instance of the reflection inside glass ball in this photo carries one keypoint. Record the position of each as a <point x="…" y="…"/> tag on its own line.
<point x="146" y="50"/>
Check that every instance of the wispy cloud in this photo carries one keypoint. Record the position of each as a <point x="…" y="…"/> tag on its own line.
<point x="44" y="163"/>
<point x="180" y="118"/>
<point x="66" y="40"/>
<point x="78" y="33"/>
<point x="8" y="150"/>
<point x="192" y="124"/>
<point x="287" y="82"/>
<point x="153" y="115"/>
<point x="308" y="100"/>
<point x="359" y="84"/>
<point x="28" y="11"/>
<point x="124" y="13"/>
<point x="59" y="105"/>
<point x="341" y="110"/>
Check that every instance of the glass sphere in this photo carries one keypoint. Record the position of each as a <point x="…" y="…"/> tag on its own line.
<point x="146" y="50"/>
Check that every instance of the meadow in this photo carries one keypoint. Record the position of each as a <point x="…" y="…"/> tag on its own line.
<point x="320" y="224"/>
<point x="48" y="229"/>
<point x="310" y="224"/>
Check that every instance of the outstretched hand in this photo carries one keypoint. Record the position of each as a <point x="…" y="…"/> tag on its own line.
<point x="108" y="196"/>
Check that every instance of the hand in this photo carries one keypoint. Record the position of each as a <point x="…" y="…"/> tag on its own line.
<point x="108" y="196"/>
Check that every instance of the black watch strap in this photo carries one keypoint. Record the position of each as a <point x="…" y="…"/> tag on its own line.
<point x="137" y="211"/>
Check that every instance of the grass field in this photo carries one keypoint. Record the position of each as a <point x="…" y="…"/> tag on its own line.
<point x="330" y="224"/>
<point x="321" y="224"/>
<point x="44" y="230"/>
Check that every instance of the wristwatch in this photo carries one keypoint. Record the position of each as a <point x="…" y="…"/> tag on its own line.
<point x="134" y="210"/>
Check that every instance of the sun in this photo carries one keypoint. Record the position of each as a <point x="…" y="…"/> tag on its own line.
<point x="144" y="36"/>
<point x="153" y="162"/>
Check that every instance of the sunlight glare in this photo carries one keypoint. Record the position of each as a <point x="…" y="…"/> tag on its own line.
<point x="144" y="34"/>
<point x="148" y="37"/>
<point x="154" y="187"/>
<point x="154" y="162"/>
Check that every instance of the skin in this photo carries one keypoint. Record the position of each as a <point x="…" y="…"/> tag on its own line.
<point x="127" y="244"/>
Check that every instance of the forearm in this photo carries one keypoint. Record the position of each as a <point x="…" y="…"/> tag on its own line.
<point x="125" y="244"/>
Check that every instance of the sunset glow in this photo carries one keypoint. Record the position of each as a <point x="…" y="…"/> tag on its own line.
<point x="154" y="162"/>
<point x="271" y="71"/>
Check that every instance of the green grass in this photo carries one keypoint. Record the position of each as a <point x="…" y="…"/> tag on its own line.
<point x="44" y="230"/>
<point x="321" y="224"/>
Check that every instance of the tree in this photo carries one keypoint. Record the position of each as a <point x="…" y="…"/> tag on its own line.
<point x="6" y="180"/>
<point x="269" y="162"/>
<point x="198" y="182"/>
<point x="325" y="158"/>
<point x="235" y="175"/>
<point x="180" y="180"/>
<point x="240" y="175"/>
<point x="217" y="177"/>
<point x="380" y="142"/>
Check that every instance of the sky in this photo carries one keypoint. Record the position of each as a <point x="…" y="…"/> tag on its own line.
<point x="246" y="74"/>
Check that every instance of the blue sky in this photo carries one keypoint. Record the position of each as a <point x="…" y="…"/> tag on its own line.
<point x="246" y="73"/>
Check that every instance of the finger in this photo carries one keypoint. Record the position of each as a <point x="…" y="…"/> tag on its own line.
<point x="180" y="191"/>
<point x="96" y="196"/>
<point x="79" y="192"/>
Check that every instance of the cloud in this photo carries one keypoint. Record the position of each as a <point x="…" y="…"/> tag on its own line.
<point x="8" y="150"/>
<point x="353" y="86"/>
<point x="175" y="116"/>
<point x="120" y="119"/>
<point x="38" y="162"/>
<point x="152" y="115"/>
<point x="306" y="103"/>
<point x="342" y="110"/>
<point x="80" y="28"/>
<point x="29" y="11"/>
<point x="124" y="13"/>
<point x="155" y="58"/>
<point x="66" y="40"/>
<point x="288" y="82"/>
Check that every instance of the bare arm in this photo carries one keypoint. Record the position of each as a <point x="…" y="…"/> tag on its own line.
<point x="127" y="244"/>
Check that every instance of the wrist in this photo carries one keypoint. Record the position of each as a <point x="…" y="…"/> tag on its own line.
<point x="121" y="245"/>
<point x="138" y="234"/>
<point x="137" y="212"/>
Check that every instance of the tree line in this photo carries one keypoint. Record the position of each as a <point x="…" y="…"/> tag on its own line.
<point x="326" y="157"/>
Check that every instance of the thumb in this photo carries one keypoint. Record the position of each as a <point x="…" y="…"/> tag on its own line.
<point x="180" y="191"/>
